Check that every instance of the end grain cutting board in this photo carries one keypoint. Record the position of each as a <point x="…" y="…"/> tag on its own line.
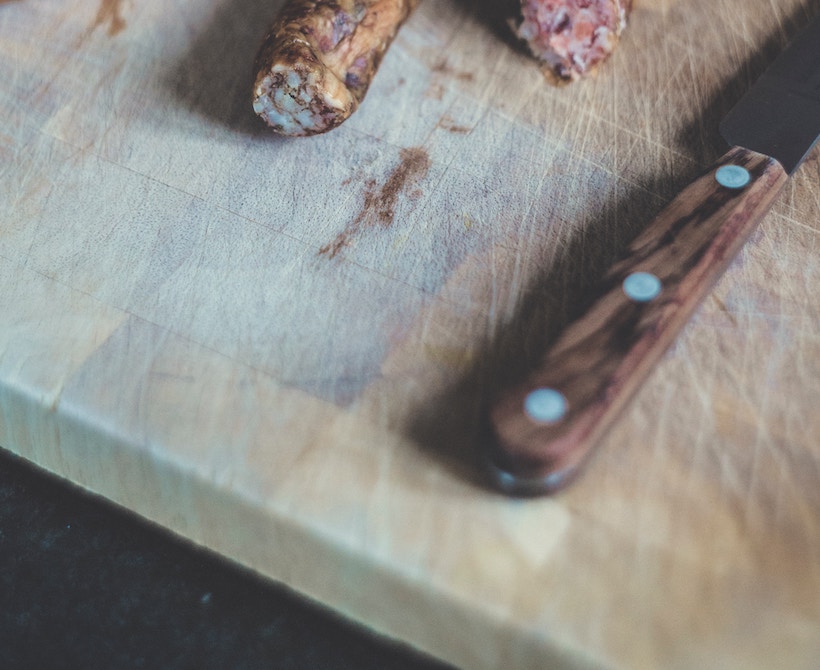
<point x="278" y="348"/>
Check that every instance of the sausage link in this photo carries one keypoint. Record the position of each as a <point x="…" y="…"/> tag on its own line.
<point x="318" y="59"/>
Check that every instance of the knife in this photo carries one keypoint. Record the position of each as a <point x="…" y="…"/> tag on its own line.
<point x="543" y="429"/>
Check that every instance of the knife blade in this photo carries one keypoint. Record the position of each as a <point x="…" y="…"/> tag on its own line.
<point x="543" y="429"/>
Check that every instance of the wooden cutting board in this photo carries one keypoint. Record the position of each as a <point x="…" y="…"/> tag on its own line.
<point x="278" y="347"/>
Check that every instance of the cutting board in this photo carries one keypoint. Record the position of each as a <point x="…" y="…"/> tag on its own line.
<point x="279" y="348"/>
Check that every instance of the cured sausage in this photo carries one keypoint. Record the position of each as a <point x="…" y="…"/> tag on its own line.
<point x="572" y="37"/>
<point x="318" y="59"/>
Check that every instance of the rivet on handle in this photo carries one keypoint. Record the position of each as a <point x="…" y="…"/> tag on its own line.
<point x="733" y="176"/>
<point x="642" y="286"/>
<point x="545" y="405"/>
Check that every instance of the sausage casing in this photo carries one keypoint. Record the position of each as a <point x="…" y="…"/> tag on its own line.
<point x="318" y="59"/>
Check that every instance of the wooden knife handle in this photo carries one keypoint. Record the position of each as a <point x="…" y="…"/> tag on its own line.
<point x="544" y="428"/>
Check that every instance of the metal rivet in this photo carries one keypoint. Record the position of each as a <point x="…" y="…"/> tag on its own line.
<point x="545" y="405"/>
<point x="642" y="286"/>
<point x="733" y="176"/>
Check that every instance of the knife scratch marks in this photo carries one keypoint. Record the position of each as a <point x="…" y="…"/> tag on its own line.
<point x="379" y="207"/>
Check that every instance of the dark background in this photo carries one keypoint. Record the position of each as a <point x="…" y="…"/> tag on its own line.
<point x="84" y="584"/>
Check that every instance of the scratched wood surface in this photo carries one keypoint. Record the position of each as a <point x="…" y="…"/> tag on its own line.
<point x="279" y="348"/>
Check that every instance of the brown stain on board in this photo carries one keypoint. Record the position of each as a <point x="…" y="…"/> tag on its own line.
<point x="442" y="71"/>
<point x="443" y="67"/>
<point x="109" y="12"/>
<point x="379" y="207"/>
<point x="448" y="124"/>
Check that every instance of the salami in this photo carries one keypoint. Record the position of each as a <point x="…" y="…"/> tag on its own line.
<point x="572" y="37"/>
<point x="318" y="59"/>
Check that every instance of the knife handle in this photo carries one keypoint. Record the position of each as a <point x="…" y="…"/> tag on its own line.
<point x="545" y="427"/>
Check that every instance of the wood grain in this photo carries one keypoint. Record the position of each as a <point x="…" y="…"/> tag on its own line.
<point x="598" y="362"/>
<point x="172" y="337"/>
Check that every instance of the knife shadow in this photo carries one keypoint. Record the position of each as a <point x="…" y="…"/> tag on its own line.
<point x="452" y="426"/>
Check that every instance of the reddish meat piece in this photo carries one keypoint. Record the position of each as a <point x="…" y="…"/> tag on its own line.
<point x="572" y="37"/>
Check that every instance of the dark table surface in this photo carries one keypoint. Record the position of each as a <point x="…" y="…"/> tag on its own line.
<point x="84" y="584"/>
